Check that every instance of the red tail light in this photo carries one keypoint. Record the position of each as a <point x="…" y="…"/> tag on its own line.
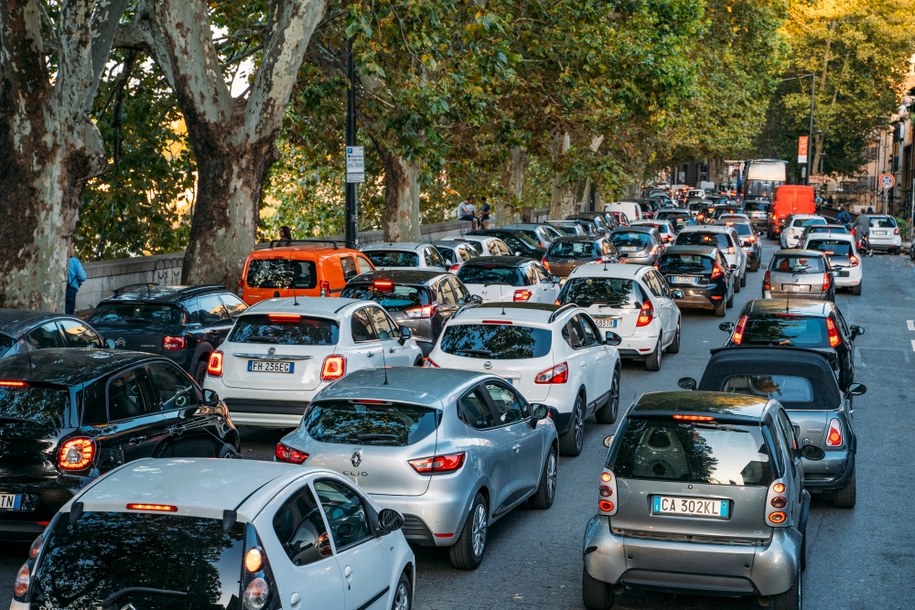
<point x="854" y="260"/>
<point x="383" y="285"/>
<point x="776" y="501"/>
<point x="606" y="492"/>
<point x="767" y="281"/>
<point x="827" y="282"/>
<point x="23" y="579"/>
<point x="284" y="453"/>
<point x="833" y="331"/>
<point x="214" y="364"/>
<point x="241" y="287"/>
<point x="546" y="264"/>
<point x="737" y="337"/>
<point x="284" y="318"/>
<point x="522" y="295"/>
<point x="646" y="315"/>
<point x="76" y="453"/>
<point x="454" y="268"/>
<point x="896" y="231"/>
<point x="426" y="311"/>
<point x="13" y="384"/>
<point x="334" y="367"/>
<point x="834" y="435"/>
<point x="556" y="374"/>
<point x="717" y="272"/>
<point x="325" y="288"/>
<point x="439" y="464"/>
<point x="173" y="343"/>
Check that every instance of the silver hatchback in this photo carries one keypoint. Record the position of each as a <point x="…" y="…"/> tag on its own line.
<point x="451" y="450"/>
<point x="799" y="274"/>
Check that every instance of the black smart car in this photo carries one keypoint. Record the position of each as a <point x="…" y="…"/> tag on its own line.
<point x="702" y="273"/>
<point x="68" y="416"/>
<point x="24" y="330"/>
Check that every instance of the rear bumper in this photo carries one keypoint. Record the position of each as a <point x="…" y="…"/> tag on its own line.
<point x="266" y="413"/>
<point x="700" y="298"/>
<point x="40" y="502"/>
<point x="436" y="517"/>
<point x="831" y="473"/>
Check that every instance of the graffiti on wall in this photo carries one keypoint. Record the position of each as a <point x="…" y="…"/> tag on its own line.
<point x="167" y="271"/>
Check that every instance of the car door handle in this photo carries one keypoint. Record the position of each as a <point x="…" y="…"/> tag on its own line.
<point x="348" y="575"/>
<point x="392" y="350"/>
<point x="516" y="448"/>
<point x="370" y="355"/>
<point x="137" y="440"/>
<point x="294" y="599"/>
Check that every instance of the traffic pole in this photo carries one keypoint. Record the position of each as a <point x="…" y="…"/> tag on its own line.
<point x="350" y="225"/>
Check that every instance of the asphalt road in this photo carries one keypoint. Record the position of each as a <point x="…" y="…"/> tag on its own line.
<point x="860" y="558"/>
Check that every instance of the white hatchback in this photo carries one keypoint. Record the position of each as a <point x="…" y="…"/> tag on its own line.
<point x="517" y="279"/>
<point x="791" y="234"/>
<point x="553" y="356"/>
<point x="281" y="352"/>
<point x="632" y="304"/>
<point x="884" y="233"/>
<point x="843" y="256"/>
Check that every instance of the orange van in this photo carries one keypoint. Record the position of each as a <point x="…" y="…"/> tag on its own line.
<point x="299" y="267"/>
<point x="790" y="199"/>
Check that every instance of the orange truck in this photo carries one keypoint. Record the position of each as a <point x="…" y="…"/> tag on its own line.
<point x="790" y="199"/>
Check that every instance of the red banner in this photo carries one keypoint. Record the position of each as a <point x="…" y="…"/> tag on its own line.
<point x="802" y="149"/>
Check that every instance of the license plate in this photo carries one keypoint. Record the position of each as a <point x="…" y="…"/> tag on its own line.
<point x="684" y="279"/>
<point x="795" y="288"/>
<point x="270" y="366"/>
<point x="10" y="501"/>
<point x="629" y="249"/>
<point x="693" y="507"/>
<point x="606" y="322"/>
<point x="878" y="232"/>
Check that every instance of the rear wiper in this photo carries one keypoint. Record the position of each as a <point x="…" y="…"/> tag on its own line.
<point x="475" y="352"/>
<point x="109" y="601"/>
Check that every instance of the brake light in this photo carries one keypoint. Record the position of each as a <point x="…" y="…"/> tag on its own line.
<point x="606" y="492"/>
<point x="522" y="295"/>
<point x="13" y="384"/>
<point x="241" y="288"/>
<point x="334" y="367"/>
<point x="717" y="272"/>
<point x="737" y="337"/>
<point x="173" y="343"/>
<point x="284" y="318"/>
<point x="439" y="464"/>
<point x="506" y="322"/>
<point x="833" y="331"/>
<point x="284" y="453"/>
<point x="556" y="374"/>
<point x="545" y="263"/>
<point x="325" y="288"/>
<point x="254" y="560"/>
<point x="454" y="268"/>
<point x="426" y="311"/>
<point x="383" y="286"/>
<point x="767" y="281"/>
<point x="214" y="364"/>
<point x="646" y="315"/>
<point x="827" y="281"/>
<point x="776" y="501"/>
<point x="896" y="231"/>
<point x="76" y="453"/>
<point x="159" y="508"/>
<point x="834" y="436"/>
<point x="854" y="260"/>
<point x="681" y="417"/>
<point x="23" y="579"/>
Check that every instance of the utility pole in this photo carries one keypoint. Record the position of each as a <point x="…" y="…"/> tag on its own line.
<point x="350" y="227"/>
<point x="813" y="80"/>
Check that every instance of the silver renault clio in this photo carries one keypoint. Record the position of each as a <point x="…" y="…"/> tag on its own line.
<point x="451" y="450"/>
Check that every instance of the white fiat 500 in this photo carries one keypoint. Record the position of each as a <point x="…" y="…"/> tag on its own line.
<point x="843" y="258"/>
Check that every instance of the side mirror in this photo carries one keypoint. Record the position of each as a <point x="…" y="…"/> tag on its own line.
<point x="856" y="389"/>
<point x="856" y="331"/>
<point x="735" y="267"/>
<point x="405" y="333"/>
<point x="677" y="293"/>
<point x="812" y="452"/>
<point x="519" y="253"/>
<point x="475" y="298"/>
<point x="607" y="440"/>
<point x="210" y="398"/>
<point x="612" y="339"/>
<point x="556" y="279"/>
<point x="726" y="326"/>
<point x="539" y="411"/>
<point x="390" y="520"/>
<point x="687" y="383"/>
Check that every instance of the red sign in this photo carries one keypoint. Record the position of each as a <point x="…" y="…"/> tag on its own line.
<point x="887" y="181"/>
<point x="802" y="149"/>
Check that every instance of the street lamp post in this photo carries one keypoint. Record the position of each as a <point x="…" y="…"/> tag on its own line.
<point x="812" y="77"/>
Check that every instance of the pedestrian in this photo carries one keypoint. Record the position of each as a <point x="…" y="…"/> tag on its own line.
<point x="285" y="236"/>
<point x="485" y="213"/>
<point x="76" y="275"/>
<point x="843" y="217"/>
<point x="467" y="211"/>
<point x="862" y="230"/>
<point x="870" y="210"/>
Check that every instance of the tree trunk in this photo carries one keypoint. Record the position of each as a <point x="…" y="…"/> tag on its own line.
<point x="513" y="171"/>
<point x="564" y="199"/>
<point x="401" y="207"/>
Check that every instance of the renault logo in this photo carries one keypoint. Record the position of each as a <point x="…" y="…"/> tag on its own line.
<point x="356" y="458"/>
<point x="487" y="365"/>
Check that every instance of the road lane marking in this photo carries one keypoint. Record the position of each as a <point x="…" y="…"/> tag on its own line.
<point x="913" y="345"/>
<point x="910" y="324"/>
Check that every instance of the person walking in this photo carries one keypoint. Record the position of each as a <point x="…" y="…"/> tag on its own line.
<point x="76" y="275"/>
<point x="862" y="231"/>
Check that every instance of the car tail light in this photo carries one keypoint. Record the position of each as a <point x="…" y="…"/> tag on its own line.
<point x="431" y="364"/>
<point x="522" y="295"/>
<point x="683" y="417"/>
<point x="503" y="322"/>
<point x="835" y="340"/>
<point x="241" y="288"/>
<point x="737" y="337"/>
<point x="775" y="502"/>
<point x="896" y="231"/>
<point x="13" y="384"/>
<point x="606" y="493"/>
<point x="834" y="434"/>
<point x="717" y="272"/>
<point x="173" y="343"/>
<point x="426" y="311"/>
<point x="334" y="367"/>
<point x="214" y="364"/>
<point x="454" y="268"/>
<point x="76" y="453"/>
<point x="439" y="464"/>
<point x="325" y="288"/>
<point x="285" y="453"/>
<point x="22" y="582"/>
<point x="767" y="281"/>
<point x="827" y="282"/>
<point x="646" y="315"/>
<point x="854" y="260"/>
<point x="383" y="286"/>
<point x="284" y="318"/>
<point x="546" y="263"/>
<point x="556" y="374"/>
<point x="256" y="579"/>
<point x="156" y="508"/>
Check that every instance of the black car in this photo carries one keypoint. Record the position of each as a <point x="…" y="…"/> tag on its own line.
<point x="68" y="416"/>
<point x="24" y="330"/>
<point x="803" y="323"/>
<point x="702" y="273"/>
<point x="520" y="244"/>
<point x="184" y="323"/>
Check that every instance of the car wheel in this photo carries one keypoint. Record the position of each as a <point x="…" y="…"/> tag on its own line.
<point x="743" y="279"/>
<point x="856" y="290"/>
<point x="846" y="497"/>
<point x="674" y="346"/>
<point x="607" y="413"/>
<point x="755" y="267"/>
<point x="737" y="285"/>
<point x="546" y="490"/>
<point x="790" y="599"/>
<point x="200" y="371"/>
<point x="653" y="362"/>
<point x="403" y="600"/>
<point x="895" y="250"/>
<point x="467" y="552"/>
<point x="571" y="441"/>
<point x="597" y="595"/>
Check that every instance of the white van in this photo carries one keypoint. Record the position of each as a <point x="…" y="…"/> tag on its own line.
<point x="630" y="208"/>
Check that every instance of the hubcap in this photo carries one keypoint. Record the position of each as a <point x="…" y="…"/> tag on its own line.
<point x="478" y="530"/>
<point x="579" y="423"/>
<point x="615" y="394"/>
<point x="402" y="597"/>
<point x="551" y="475"/>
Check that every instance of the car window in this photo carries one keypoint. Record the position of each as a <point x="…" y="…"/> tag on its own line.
<point x="786" y="329"/>
<point x="433" y="258"/>
<point x="620" y="293"/>
<point x="281" y="273"/>
<point x="791" y="263"/>
<point x="46" y="335"/>
<point x="685" y="263"/>
<point x="393" y="258"/>
<point x="496" y="341"/>
<point x="473" y="409"/>
<point x="129" y="395"/>
<point x="384" y="327"/>
<point x="570" y="249"/>
<point x="787" y="388"/>
<point x="843" y="325"/>
<point x="498" y="248"/>
<point x="460" y="291"/>
<point x="656" y="283"/>
<point x="361" y="326"/>
<point x="233" y="305"/>
<point x="348" y="267"/>
<point x="831" y="247"/>
<point x="491" y="274"/>
<point x="345" y="512"/>
<point x="287" y="329"/>
<point x="446" y="294"/>
<point x="509" y="406"/>
<point x="300" y="529"/>
<point x="465" y="254"/>
<point x="883" y="222"/>
<point x="212" y="310"/>
<point x="136" y="314"/>
<point x="363" y="264"/>
<point x="391" y="296"/>
<point x="449" y="254"/>
<point x="589" y="331"/>
<point x="571" y="334"/>
<point x="174" y="388"/>
<point x="353" y="422"/>
<point x="788" y="431"/>
<point x="631" y="242"/>
<point x="77" y="334"/>
<point x="44" y="406"/>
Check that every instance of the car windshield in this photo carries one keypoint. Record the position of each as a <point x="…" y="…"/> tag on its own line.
<point x="699" y="238"/>
<point x="492" y="274"/>
<point x="393" y="258"/>
<point x="33" y="404"/>
<point x="685" y="263"/>
<point x="692" y="452"/>
<point x="629" y="241"/>
<point x="798" y="264"/>
<point x="393" y="297"/>
<point x="141" y="314"/>
<point x="783" y="388"/>
<point x="369" y="422"/>
<point x="831" y="247"/>
<point x="620" y="293"/>
<point x="786" y="329"/>
<point x="139" y="560"/>
<point x="571" y="249"/>
<point x="281" y="273"/>
<point x="496" y="341"/>
<point x="284" y="329"/>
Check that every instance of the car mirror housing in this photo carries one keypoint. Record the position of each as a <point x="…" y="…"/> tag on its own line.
<point x="856" y="331"/>
<point x="856" y="389"/>
<point x="613" y="339"/>
<point x="607" y="440"/>
<point x="539" y="411"/>
<point x="677" y="293"/>
<point x="687" y="383"/>
<point x="405" y="333"/>
<point x="210" y="398"/>
<point x="390" y="520"/>
<point x="110" y="344"/>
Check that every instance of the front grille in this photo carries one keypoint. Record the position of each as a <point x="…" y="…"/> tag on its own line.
<point x="276" y="407"/>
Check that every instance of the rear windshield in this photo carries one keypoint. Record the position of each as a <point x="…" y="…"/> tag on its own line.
<point x="806" y="222"/>
<point x="34" y="404"/>
<point x="281" y="329"/>
<point x="447" y="254"/>
<point x="141" y="314"/>
<point x="700" y="452"/>
<point x="496" y="341"/>
<point x="630" y="240"/>
<point x="393" y="258"/>
<point x="393" y="297"/>
<point x="685" y="263"/>
<point x="756" y="206"/>
<point x="698" y="238"/>
<point x="831" y="247"/>
<point x="742" y="228"/>
<point x="612" y="292"/>
<point x="786" y="330"/>
<point x="149" y="561"/>
<point x="571" y="249"/>
<point x="351" y="422"/>
<point x="883" y="222"/>
<point x="798" y="264"/>
<point x="281" y="273"/>
<point x="492" y="274"/>
<point x="783" y="388"/>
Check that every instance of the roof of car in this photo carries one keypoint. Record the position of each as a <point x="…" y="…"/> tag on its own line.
<point x="524" y="225"/>
<point x="795" y="252"/>
<point x="706" y="229"/>
<point x="326" y="306"/>
<point x="400" y="276"/>
<point x="633" y="228"/>
<point x="579" y="238"/>
<point x="618" y="270"/>
<point x="300" y="249"/>
<point x="697" y="402"/>
<point x="66" y="365"/>
<point x="831" y="237"/>
<point x="537" y="313"/>
<point x="694" y="250"/>
<point x="14" y="322"/>
<point x="423" y="386"/>
<point x="505" y="261"/>
<point x="802" y="307"/>
<point x="453" y="243"/>
<point x="154" y="293"/>
<point x="396" y="245"/>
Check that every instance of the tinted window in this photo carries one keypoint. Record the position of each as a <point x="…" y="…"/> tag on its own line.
<point x="447" y="253"/>
<point x="615" y="292"/>
<point x="571" y="249"/>
<point x="293" y="330"/>
<point x="383" y="325"/>
<point x="299" y="527"/>
<point x="281" y="273"/>
<point x="393" y="297"/>
<point x="831" y="247"/>
<point x="883" y="222"/>
<point x="361" y="327"/>
<point x="474" y="411"/>
<point x="491" y="274"/>
<point x="116" y="552"/>
<point x="433" y="258"/>
<point x="353" y="423"/>
<point x="46" y="335"/>
<point x="130" y="396"/>
<point x="393" y="258"/>
<point x="697" y="238"/>
<point x="5" y="344"/>
<point x="785" y="388"/>
<point x="345" y="513"/>
<point x="139" y="314"/>
<point x="717" y="454"/>
<point x="786" y="330"/>
<point x="348" y="267"/>
<point x="798" y="264"/>
<point x="34" y="404"/>
<point x="233" y="304"/>
<point x="685" y="263"/>
<point x="212" y="310"/>
<point x="174" y="387"/>
<point x="629" y="242"/>
<point x="804" y="222"/>
<point x="508" y="405"/>
<point x="78" y="334"/>
<point x="496" y="341"/>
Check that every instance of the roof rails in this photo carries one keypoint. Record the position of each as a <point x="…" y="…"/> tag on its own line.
<point x="282" y="243"/>
<point x="128" y="287"/>
<point x="561" y="310"/>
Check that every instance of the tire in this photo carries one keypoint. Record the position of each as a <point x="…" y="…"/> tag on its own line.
<point x="730" y="302"/>
<point x="738" y="284"/>
<point x="467" y="552"/>
<point x="597" y="595"/>
<point x="856" y="290"/>
<point x="743" y="279"/>
<point x="572" y="440"/>
<point x="896" y="251"/>
<point x="674" y="346"/>
<point x="607" y="413"/>
<point x="200" y="371"/>
<point x="653" y="361"/>
<point x="846" y="497"/>
<point x="546" y="490"/>
<point x="403" y="594"/>
<point x="755" y="266"/>
<point x="720" y="309"/>
<point x="228" y="452"/>
<point x="790" y="599"/>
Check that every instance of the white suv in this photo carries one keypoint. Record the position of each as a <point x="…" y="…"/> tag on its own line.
<point x="555" y="357"/>
<point x="724" y="238"/>
<point x="281" y="352"/>
<point x="843" y="258"/>
<point x="794" y="228"/>
<point x="884" y="233"/>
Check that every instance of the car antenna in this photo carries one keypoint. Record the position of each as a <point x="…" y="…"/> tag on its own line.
<point x="384" y="366"/>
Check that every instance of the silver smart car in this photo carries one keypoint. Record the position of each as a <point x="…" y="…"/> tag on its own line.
<point x="451" y="450"/>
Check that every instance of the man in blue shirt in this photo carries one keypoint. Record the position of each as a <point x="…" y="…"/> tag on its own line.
<point x="76" y="275"/>
<point x="843" y="217"/>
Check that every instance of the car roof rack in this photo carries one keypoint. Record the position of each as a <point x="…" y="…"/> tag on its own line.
<point x="128" y="287"/>
<point x="282" y="243"/>
<point x="562" y="309"/>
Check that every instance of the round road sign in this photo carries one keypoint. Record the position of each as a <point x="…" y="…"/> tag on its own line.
<point x="887" y="181"/>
